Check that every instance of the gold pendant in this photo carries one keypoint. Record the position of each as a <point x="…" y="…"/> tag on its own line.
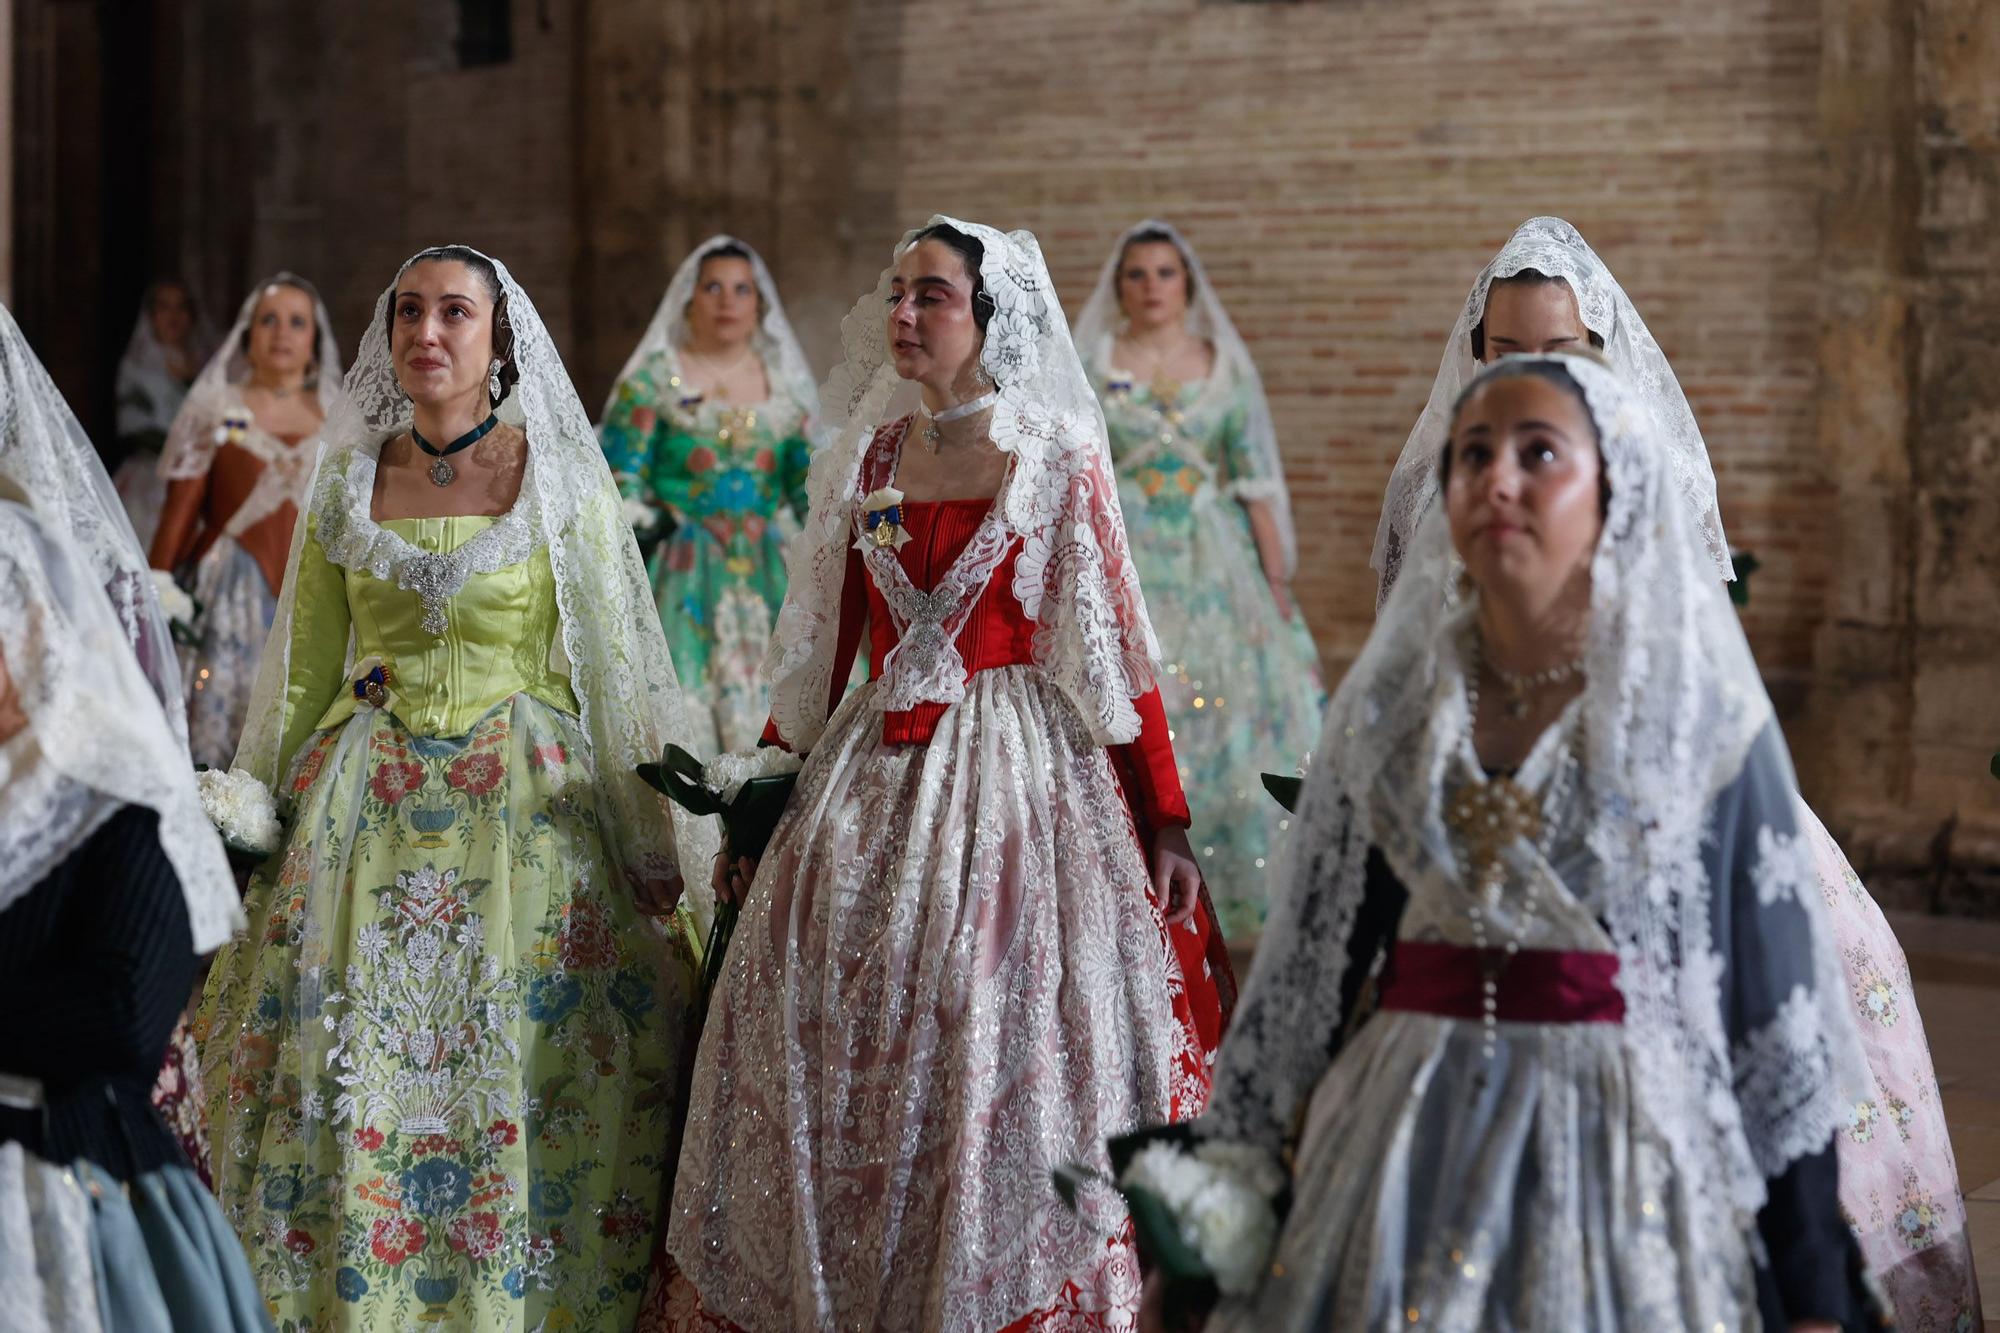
<point x="1166" y="390"/>
<point x="1489" y="817"/>
<point x="882" y="519"/>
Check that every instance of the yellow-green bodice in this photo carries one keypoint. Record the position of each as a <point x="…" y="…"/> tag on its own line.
<point x="498" y="641"/>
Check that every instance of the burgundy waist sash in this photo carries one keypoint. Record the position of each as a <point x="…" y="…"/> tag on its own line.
<point x="1534" y="985"/>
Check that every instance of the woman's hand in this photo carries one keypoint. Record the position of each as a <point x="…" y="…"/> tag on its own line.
<point x="658" y="897"/>
<point x="1153" y="1317"/>
<point x="732" y="877"/>
<point x="1281" y="594"/>
<point x="1176" y="878"/>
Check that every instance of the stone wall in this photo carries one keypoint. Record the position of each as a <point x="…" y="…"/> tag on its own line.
<point x="1904" y="715"/>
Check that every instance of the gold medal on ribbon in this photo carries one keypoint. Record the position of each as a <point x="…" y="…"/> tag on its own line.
<point x="882" y="519"/>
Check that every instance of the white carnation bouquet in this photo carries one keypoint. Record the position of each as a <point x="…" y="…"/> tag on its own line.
<point x="242" y="811"/>
<point x="1221" y="1199"/>
<point x="180" y="607"/>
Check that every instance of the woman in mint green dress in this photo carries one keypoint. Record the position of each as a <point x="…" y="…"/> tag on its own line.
<point x="708" y="432"/>
<point x="1210" y="522"/>
<point x="443" y="1064"/>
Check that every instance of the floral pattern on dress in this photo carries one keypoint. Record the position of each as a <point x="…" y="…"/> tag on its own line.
<point x="731" y="478"/>
<point x="450" y="1091"/>
<point x="1898" y="1178"/>
<point x="1241" y="684"/>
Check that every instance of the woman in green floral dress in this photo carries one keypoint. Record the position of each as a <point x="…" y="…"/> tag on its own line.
<point x="444" y="1063"/>
<point x="1210" y="522"/>
<point x="709" y="434"/>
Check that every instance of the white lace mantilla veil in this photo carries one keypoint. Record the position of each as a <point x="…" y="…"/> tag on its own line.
<point x="1552" y="247"/>
<point x="218" y="390"/>
<point x="1670" y="707"/>
<point x="1074" y="576"/>
<point x="1097" y="324"/>
<point x="96" y="738"/>
<point x="144" y="352"/>
<point x="777" y="346"/>
<point x="47" y="463"/>
<point x="615" y="653"/>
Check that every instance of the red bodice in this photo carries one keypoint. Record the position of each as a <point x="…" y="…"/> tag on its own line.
<point x="997" y="634"/>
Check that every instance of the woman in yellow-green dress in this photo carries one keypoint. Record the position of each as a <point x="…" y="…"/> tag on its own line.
<point x="443" y="1064"/>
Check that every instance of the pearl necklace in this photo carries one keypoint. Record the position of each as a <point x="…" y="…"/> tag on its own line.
<point x="1489" y="815"/>
<point x="1520" y="687"/>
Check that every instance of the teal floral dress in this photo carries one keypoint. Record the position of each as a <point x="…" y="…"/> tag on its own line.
<point x="732" y="483"/>
<point x="1241" y="682"/>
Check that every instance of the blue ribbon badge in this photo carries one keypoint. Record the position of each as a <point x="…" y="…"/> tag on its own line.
<point x="882" y="520"/>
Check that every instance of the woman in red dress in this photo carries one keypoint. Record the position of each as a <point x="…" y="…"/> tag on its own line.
<point x="977" y="942"/>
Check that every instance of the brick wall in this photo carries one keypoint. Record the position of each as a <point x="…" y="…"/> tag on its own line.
<point x="1797" y="194"/>
<point x="1345" y="169"/>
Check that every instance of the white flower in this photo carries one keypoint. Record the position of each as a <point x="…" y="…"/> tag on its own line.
<point x="241" y="809"/>
<point x="727" y="773"/>
<point x="639" y="514"/>
<point x="1012" y="356"/>
<point x="173" y="600"/>
<point x="1221" y="1197"/>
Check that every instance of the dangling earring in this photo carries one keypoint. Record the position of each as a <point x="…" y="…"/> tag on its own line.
<point x="493" y="381"/>
<point x="981" y="378"/>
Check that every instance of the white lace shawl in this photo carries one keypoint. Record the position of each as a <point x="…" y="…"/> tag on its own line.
<point x="776" y="345"/>
<point x="1097" y="324"/>
<point x="1554" y="248"/>
<point x="47" y="463"/>
<point x="217" y="394"/>
<point x="1074" y="576"/>
<point x="1671" y="706"/>
<point x="614" y="650"/>
<point x="96" y="737"/>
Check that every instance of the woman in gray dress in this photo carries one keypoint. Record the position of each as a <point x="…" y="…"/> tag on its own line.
<point x="1610" y="1047"/>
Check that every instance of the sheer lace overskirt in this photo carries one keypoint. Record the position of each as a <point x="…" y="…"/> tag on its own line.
<point x="221" y="670"/>
<point x="1234" y="375"/>
<point x="611" y="641"/>
<point x="1552" y="247"/>
<point x="1074" y="578"/>
<point x="948" y="980"/>
<point x="96" y="737"/>
<point x="217" y="392"/>
<point x="48" y="1270"/>
<point x="1670" y="710"/>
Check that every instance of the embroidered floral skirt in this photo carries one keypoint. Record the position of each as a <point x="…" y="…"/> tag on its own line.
<point x="1241" y="686"/>
<point x="181" y="1101"/>
<point x="718" y="589"/>
<point x="443" y="1068"/>
<point x="1898" y="1179"/>
<point x="236" y="610"/>
<point x="949" y="979"/>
